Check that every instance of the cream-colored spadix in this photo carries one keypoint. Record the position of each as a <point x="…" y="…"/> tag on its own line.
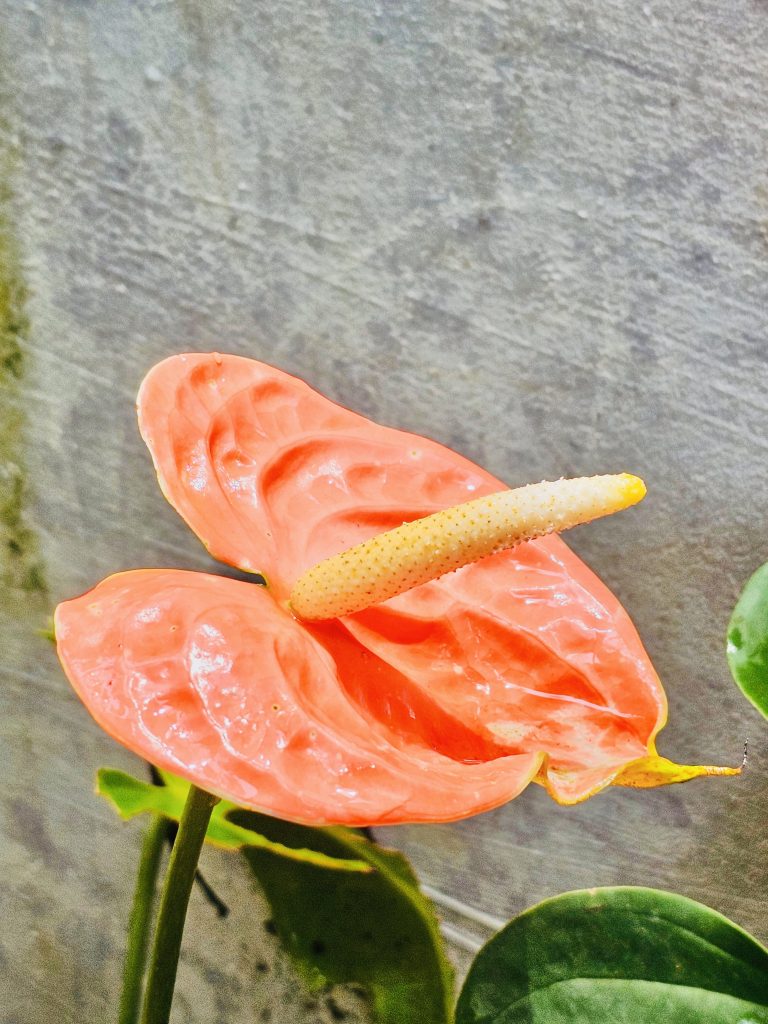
<point x="414" y="553"/>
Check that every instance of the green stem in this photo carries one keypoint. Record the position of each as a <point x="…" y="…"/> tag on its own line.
<point x="173" y="906"/>
<point x="140" y="920"/>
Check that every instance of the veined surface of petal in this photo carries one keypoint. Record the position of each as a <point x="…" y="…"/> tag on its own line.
<point x="532" y="652"/>
<point x="209" y="678"/>
<point x="527" y="648"/>
<point x="273" y="477"/>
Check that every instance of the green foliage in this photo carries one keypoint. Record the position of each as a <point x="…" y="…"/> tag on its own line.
<point x="364" y="922"/>
<point x="131" y="796"/>
<point x="21" y="568"/>
<point x="48" y="631"/>
<point x="376" y="930"/>
<point x="747" y="647"/>
<point x="618" y="956"/>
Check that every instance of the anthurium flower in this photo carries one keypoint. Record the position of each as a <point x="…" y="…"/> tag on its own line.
<point x="353" y="688"/>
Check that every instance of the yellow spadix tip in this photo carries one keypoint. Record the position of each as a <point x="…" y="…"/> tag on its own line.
<point x="417" y="552"/>
<point x="635" y="489"/>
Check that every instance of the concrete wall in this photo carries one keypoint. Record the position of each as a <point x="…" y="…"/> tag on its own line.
<point x="535" y="231"/>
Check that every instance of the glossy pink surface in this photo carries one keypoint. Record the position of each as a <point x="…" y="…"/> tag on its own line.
<point x="437" y="704"/>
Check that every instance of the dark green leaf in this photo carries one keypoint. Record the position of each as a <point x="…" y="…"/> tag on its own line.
<point x="376" y="930"/>
<point x="132" y="796"/>
<point x="747" y="648"/>
<point x="618" y="956"/>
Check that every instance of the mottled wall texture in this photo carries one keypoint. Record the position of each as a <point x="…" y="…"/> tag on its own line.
<point x="536" y="231"/>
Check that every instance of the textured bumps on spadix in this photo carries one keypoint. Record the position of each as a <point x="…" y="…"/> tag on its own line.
<point x="423" y="550"/>
<point x="443" y="703"/>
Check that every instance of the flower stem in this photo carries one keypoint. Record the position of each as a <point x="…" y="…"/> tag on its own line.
<point x="173" y="906"/>
<point x="140" y="920"/>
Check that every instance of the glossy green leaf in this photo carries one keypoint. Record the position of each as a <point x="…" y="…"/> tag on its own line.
<point x="747" y="647"/>
<point x="366" y="922"/>
<point x="378" y="931"/>
<point x="132" y="796"/>
<point x="618" y="956"/>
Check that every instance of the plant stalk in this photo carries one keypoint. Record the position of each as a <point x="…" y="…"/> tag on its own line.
<point x="161" y="976"/>
<point x="141" y="919"/>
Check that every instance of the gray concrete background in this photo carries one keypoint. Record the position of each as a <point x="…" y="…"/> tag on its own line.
<point x="537" y="232"/>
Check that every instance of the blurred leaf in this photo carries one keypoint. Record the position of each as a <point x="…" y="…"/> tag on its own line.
<point x="131" y="796"/>
<point x="48" y="631"/>
<point x="376" y="930"/>
<point x="618" y="956"/>
<point x="747" y="647"/>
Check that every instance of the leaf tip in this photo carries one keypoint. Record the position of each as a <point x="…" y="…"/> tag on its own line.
<point x="652" y="770"/>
